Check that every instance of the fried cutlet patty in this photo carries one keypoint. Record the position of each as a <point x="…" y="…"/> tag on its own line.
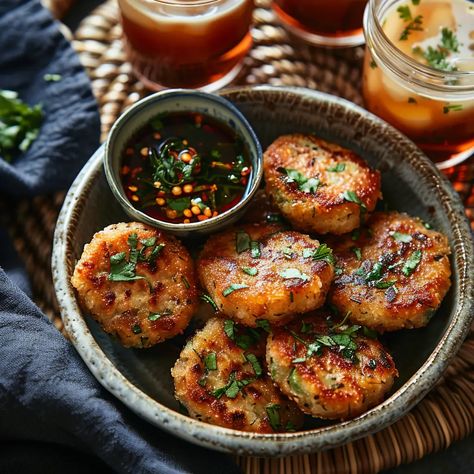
<point x="394" y="273"/>
<point x="319" y="186"/>
<point x="137" y="282"/>
<point x="220" y="382"/>
<point x="330" y="371"/>
<point x="260" y="271"/>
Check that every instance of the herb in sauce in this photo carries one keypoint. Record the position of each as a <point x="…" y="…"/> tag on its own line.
<point x="185" y="167"/>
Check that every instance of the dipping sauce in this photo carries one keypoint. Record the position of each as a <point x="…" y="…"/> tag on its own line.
<point x="190" y="44"/>
<point x="323" y="21"/>
<point x="185" y="167"/>
<point x="438" y="34"/>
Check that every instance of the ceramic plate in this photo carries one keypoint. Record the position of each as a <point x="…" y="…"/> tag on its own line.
<point x="410" y="182"/>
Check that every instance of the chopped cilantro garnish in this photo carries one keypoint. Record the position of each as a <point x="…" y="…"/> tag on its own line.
<point x="252" y="271"/>
<point x="414" y="23"/>
<point x="185" y="282"/>
<point x="257" y="368"/>
<point x="337" y="168"/>
<point x="357" y="252"/>
<point x="263" y="324"/>
<point x="351" y="196"/>
<point x="210" y="361"/>
<point x="52" y="77"/>
<point x="208" y="299"/>
<point x="229" y="328"/>
<point x="231" y="288"/>
<point x="401" y="237"/>
<point x="255" y="249"/>
<point x="232" y="388"/>
<point x="242" y="241"/>
<point x="156" y="316"/>
<point x="136" y="329"/>
<point x="383" y="285"/>
<point x="294" y="382"/>
<point x="290" y="273"/>
<point x="19" y="124"/>
<point x="273" y="413"/>
<point x="453" y="107"/>
<point x="323" y="252"/>
<point x="305" y="327"/>
<point x="449" y="40"/>
<point x="307" y="185"/>
<point x="411" y="263"/>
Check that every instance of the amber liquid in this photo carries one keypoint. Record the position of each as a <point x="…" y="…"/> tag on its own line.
<point x="332" y="18"/>
<point x="443" y="129"/>
<point x="186" y="50"/>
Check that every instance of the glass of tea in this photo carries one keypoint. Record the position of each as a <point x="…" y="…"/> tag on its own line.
<point x="198" y="44"/>
<point x="331" y="23"/>
<point x="419" y="73"/>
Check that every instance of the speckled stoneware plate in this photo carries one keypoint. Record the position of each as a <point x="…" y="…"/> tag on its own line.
<point x="141" y="378"/>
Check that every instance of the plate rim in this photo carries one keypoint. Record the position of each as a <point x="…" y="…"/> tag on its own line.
<point x="278" y="444"/>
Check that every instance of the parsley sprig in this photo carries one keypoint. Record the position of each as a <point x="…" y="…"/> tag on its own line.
<point x="19" y="124"/>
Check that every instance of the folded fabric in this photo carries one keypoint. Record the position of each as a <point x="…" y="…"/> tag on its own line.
<point x="47" y="393"/>
<point x="53" y="413"/>
<point x="30" y="47"/>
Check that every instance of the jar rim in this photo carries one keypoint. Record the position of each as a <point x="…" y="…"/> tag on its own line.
<point x="396" y="60"/>
<point x="184" y="4"/>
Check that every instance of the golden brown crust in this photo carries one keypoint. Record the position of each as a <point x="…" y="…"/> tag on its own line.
<point x="269" y="294"/>
<point x="123" y="308"/>
<point x="246" y="411"/>
<point x="325" y="211"/>
<point x="331" y="383"/>
<point x="413" y="298"/>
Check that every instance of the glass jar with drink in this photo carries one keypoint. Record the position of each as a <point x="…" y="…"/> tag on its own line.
<point x="192" y="44"/>
<point x="419" y="72"/>
<point x="332" y="23"/>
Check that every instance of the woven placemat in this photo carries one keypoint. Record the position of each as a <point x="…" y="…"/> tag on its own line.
<point x="446" y="414"/>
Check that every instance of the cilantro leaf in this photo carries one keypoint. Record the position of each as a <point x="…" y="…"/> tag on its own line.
<point x="208" y="299"/>
<point x="273" y="413"/>
<point x="290" y="273"/>
<point x="323" y="252"/>
<point x="263" y="324"/>
<point x="257" y="368"/>
<point x="401" y="237"/>
<point x="411" y="263"/>
<point x="307" y="185"/>
<point x="210" y="361"/>
<point x="337" y="168"/>
<point x="231" y="288"/>
<point x="19" y="124"/>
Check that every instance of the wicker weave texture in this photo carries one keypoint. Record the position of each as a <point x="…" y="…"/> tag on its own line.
<point x="446" y="414"/>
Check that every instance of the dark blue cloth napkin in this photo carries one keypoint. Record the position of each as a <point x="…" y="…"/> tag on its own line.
<point x="54" y="415"/>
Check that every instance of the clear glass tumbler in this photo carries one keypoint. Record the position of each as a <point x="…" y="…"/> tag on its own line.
<point x="331" y="23"/>
<point x="197" y="44"/>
